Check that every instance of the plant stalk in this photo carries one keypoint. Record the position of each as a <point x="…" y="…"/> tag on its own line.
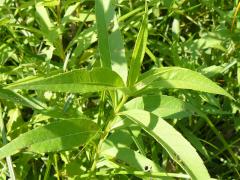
<point x="105" y="133"/>
<point x="4" y="139"/>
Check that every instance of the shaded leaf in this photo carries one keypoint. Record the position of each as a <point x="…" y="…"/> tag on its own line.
<point x="17" y="98"/>
<point x="117" y="147"/>
<point x="161" y="105"/>
<point x="51" y="33"/>
<point x="112" y="54"/>
<point x="57" y="136"/>
<point x="133" y="159"/>
<point x="194" y="140"/>
<point x="83" y="40"/>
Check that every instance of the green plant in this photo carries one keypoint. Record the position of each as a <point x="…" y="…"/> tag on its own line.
<point x="109" y="115"/>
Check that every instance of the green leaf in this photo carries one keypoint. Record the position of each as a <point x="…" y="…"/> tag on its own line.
<point x="238" y="72"/>
<point x="208" y="41"/>
<point x="17" y="98"/>
<point x="139" y="51"/>
<point x="104" y="13"/>
<point x="84" y="40"/>
<point x="57" y="136"/>
<point x="175" y="144"/>
<point x="76" y="81"/>
<point x="160" y="105"/>
<point x="70" y="9"/>
<point x="119" y="61"/>
<point x="112" y="54"/>
<point x="195" y="141"/>
<point x="51" y="33"/>
<point x="180" y="78"/>
<point x="117" y="147"/>
<point x="132" y="158"/>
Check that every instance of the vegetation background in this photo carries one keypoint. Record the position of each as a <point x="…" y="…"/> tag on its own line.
<point x="96" y="76"/>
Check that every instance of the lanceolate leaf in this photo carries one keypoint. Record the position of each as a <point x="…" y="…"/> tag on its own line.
<point x="17" y="98"/>
<point x="111" y="46"/>
<point x="57" y="136"/>
<point x="175" y="144"/>
<point x="119" y="61"/>
<point x="161" y="105"/>
<point x="110" y="42"/>
<point x="50" y="31"/>
<point x="83" y="40"/>
<point x="138" y="52"/>
<point x="195" y="141"/>
<point x="180" y="78"/>
<point x="104" y="12"/>
<point x="81" y="81"/>
<point x="134" y="159"/>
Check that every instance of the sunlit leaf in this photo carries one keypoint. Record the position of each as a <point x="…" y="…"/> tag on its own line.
<point x="138" y="51"/>
<point x="161" y="105"/>
<point x="81" y="81"/>
<point x="174" y="143"/>
<point x="57" y="136"/>
<point x="179" y="78"/>
<point x="104" y="13"/>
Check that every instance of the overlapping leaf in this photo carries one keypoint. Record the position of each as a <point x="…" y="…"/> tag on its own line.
<point x="160" y="105"/>
<point x="175" y="144"/>
<point x="76" y="81"/>
<point x="138" y="51"/>
<point x="180" y="78"/>
<point x="57" y="136"/>
<point x="17" y="98"/>
<point x="110" y="42"/>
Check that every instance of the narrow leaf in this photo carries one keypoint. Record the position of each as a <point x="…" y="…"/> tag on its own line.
<point x="134" y="159"/>
<point x="180" y="78"/>
<point x="83" y="40"/>
<point x="76" y="81"/>
<point x="104" y="11"/>
<point x="110" y="42"/>
<point x="175" y="144"/>
<point x="17" y="98"/>
<point x="51" y="33"/>
<point x="139" y="51"/>
<point x="195" y="141"/>
<point x="57" y="136"/>
<point x="68" y="13"/>
<point x="119" y="61"/>
<point x="160" y="105"/>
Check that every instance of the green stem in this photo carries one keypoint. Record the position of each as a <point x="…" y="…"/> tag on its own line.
<point x="101" y="108"/>
<point x="105" y="134"/>
<point x="48" y="167"/>
<point x="138" y="173"/>
<point x="56" y="166"/>
<point x="60" y="44"/>
<point x="4" y="139"/>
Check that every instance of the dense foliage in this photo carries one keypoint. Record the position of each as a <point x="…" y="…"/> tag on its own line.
<point x="119" y="89"/>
